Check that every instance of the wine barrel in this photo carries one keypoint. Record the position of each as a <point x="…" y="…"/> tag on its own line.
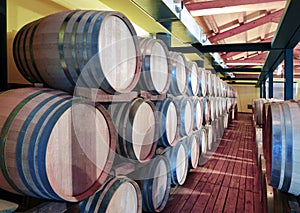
<point x="53" y="146"/>
<point x="168" y="120"/>
<point x="80" y="48"/>
<point x="203" y="146"/>
<point x="213" y="108"/>
<point x="154" y="180"/>
<point x="136" y="126"/>
<point x="258" y="110"/>
<point x="156" y="69"/>
<point x="203" y="141"/>
<point x="185" y="112"/>
<point x="209" y="135"/>
<point x="215" y="135"/>
<point x="214" y="85"/>
<point x="225" y="120"/>
<point x="202" y="84"/>
<point x="177" y="156"/>
<point x="223" y="103"/>
<point x="206" y="111"/>
<point x="197" y="113"/>
<point x="219" y="87"/>
<point x="193" y="78"/>
<point x="193" y="148"/>
<point x="283" y="166"/>
<point x="179" y="78"/>
<point x="229" y="104"/>
<point x="223" y="88"/>
<point x="220" y="128"/>
<point x="119" y="194"/>
<point x="209" y="89"/>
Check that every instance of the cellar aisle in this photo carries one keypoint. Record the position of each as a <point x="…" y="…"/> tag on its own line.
<point x="230" y="181"/>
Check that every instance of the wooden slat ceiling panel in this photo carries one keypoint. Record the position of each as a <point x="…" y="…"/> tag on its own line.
<point x="240" y="21"/>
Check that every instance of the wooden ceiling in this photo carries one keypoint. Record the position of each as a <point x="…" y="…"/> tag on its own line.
<point x="241" y="21"/>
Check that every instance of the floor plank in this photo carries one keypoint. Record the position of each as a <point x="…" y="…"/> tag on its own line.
<point x="229" y="181"/>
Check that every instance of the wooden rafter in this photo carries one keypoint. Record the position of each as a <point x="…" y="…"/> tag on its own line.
<point x="246" y="26"/>
<point x="236" y="22"/>
<point x="268" y="38"/>
<point x="212" y="22"/>
<point x="224" y="3"/>
<point x="200" y="20"/>
<point x="245" y="62"/>
<point x="231" y="6"/>
<point x="250" y="61"/>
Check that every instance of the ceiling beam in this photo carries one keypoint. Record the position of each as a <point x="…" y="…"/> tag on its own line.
<point x="235" y="22"/>
<point x="212" y="22"/>
<point x="231" y="54"/>
<point x="261" y="56"/>
<point x="238" y="47"/>
<point x="250" y="61"/>
<point x="244" y="75"/>
<point x="268" y="38"/>
<point x="287" y="36"/>
<point x="244" y="83"/>
<point x="238" y="79"/>
<point x="232" y="6"/>
<point x="245" y="27"/>
<point x="239" y="69"/>
<point x="223" y="3"/>
<point x="245" y="62"/>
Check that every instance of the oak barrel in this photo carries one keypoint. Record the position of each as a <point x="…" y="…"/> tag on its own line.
<point x="135" y="123"/>
<point x="203" y="146"/>
<point x="119" y="195"/>
<point x="197" y="113"/>
<point x="283" y="164"/>
<point x="179" y="78"/>
<point x="206" y="111"/>
<point x="202" y="82"/>
<point x="193" y="78"/>
<point x="80" y="48"/>
<point x="209" y="135"/>
<point x="209" y="88"/>
<point x="156" y="68"/>
<point x="185" y="112"/>
<point x="52" y="145"/>
<point x="193" y="148"/>
<point x="154" y="180"/>
<point x="214" y="85"/>
<point x="168" y="120"/>
<point x="258" y="110"/>
<point x="177" y="156"/>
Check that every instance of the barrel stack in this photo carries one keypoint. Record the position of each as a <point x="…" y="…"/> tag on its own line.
<point x="279" y="122"/>
<point x="120" y="119"/>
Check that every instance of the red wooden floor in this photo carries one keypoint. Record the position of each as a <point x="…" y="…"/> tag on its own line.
<point x="229" y="182"/>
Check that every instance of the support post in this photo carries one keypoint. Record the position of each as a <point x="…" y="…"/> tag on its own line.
<point x="264" y="89"/>
<point x="270" y="85"/>
<point x="288" y="74"/>
<point x="3" y="46"/>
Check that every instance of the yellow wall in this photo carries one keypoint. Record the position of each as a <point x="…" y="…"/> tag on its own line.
<point x="246" y="93"/>
<point x="19" y="13"/>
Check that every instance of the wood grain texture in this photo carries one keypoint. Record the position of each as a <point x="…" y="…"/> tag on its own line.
<point x="80" y="48"/>
<point x="135" y="122"/>
<point x="228" y="182"/>
<point x="50" y="144"/>
<point x="179" y="80"/>
<point x="156" y="67"/>
<point x="119" y="194"/>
